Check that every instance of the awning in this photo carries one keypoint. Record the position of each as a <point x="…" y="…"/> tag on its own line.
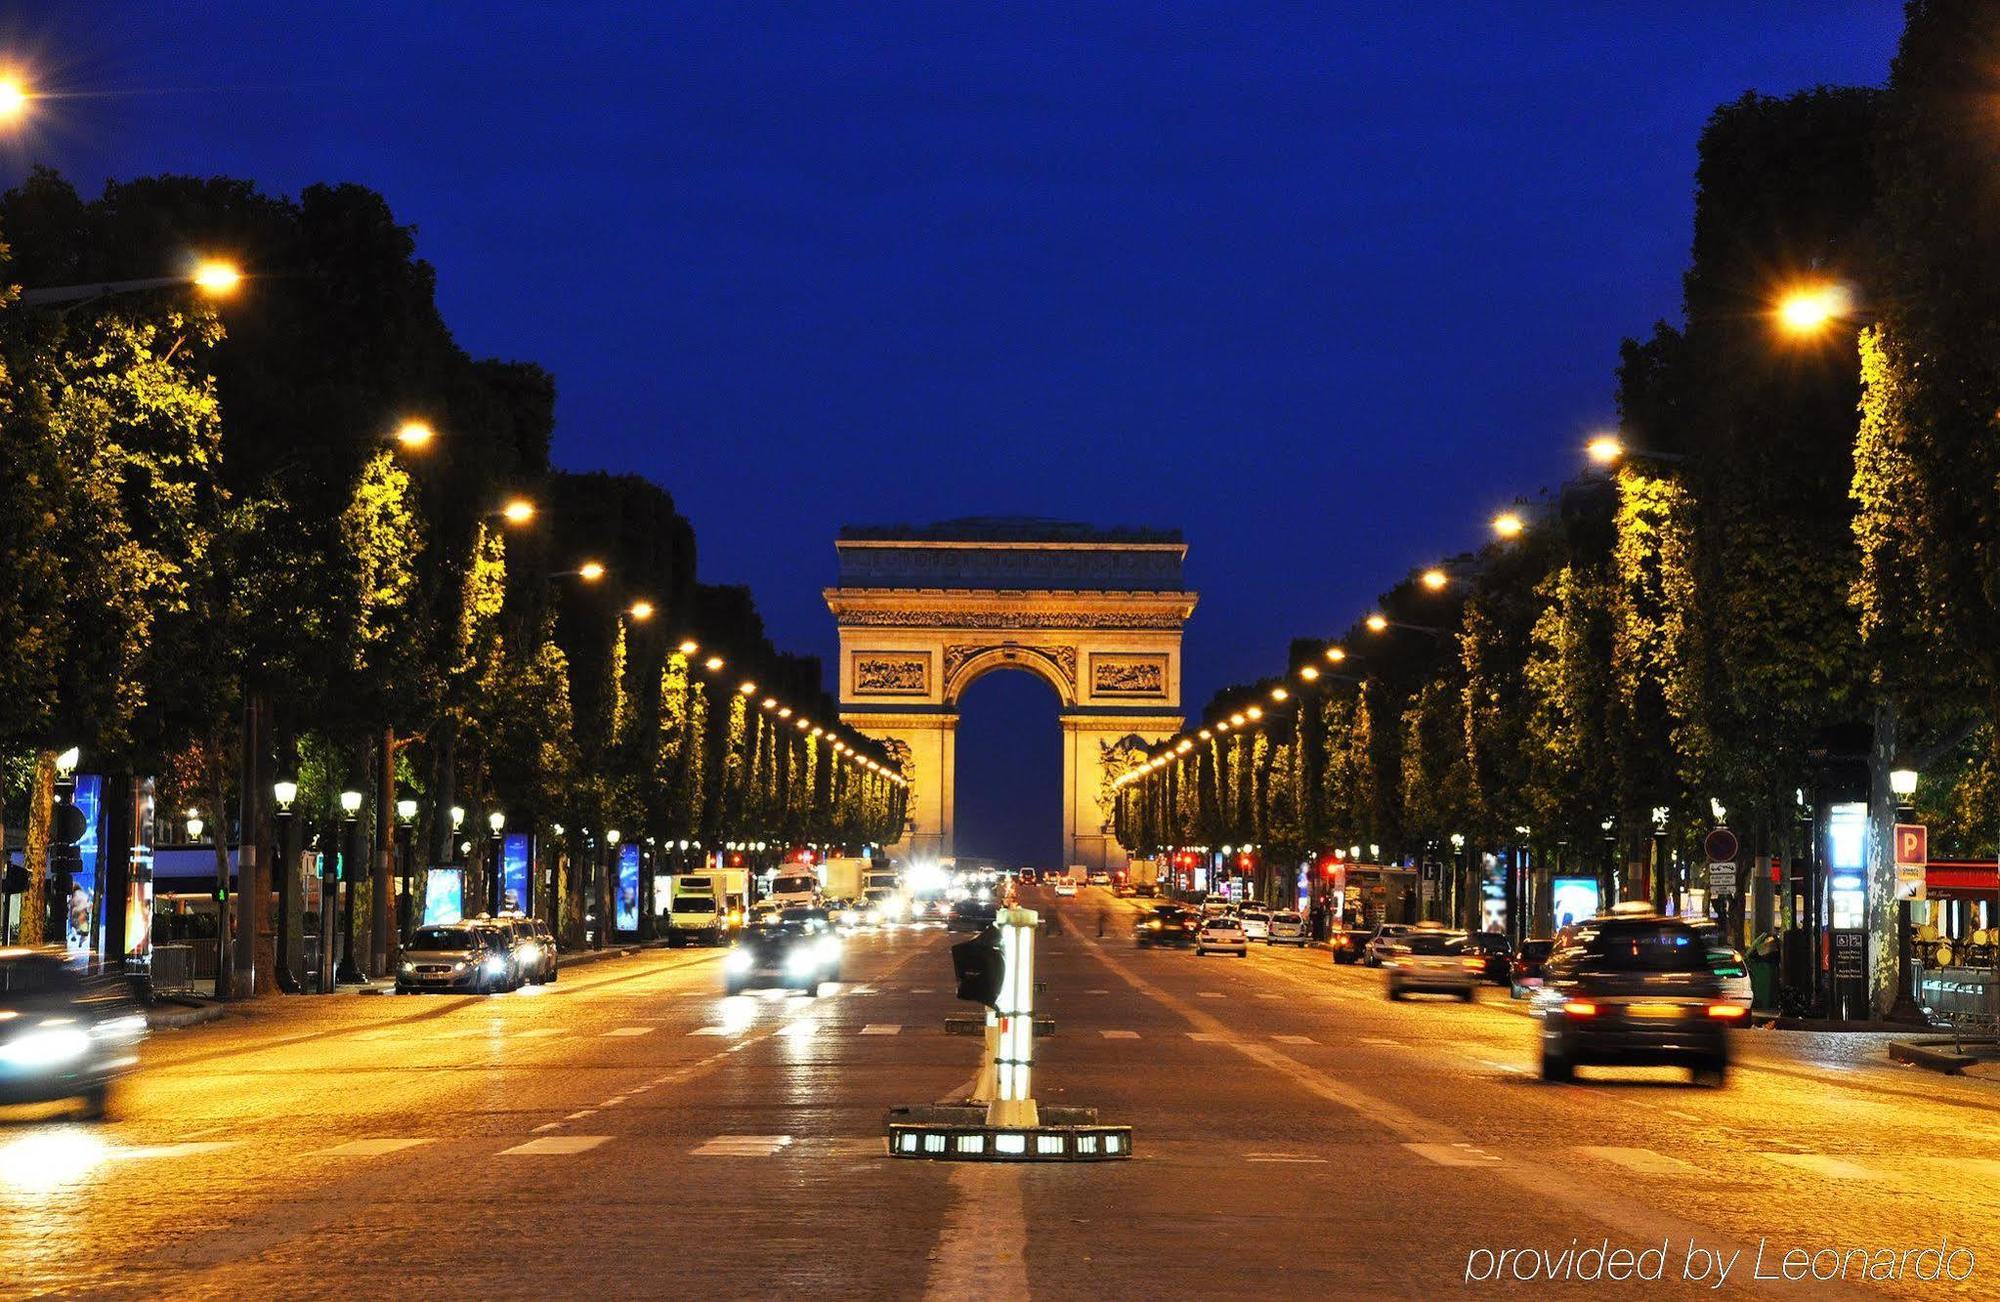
<point x="1961" y="879"/>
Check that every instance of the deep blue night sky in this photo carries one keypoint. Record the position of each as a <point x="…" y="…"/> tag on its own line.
<point x="1319" y="285"/>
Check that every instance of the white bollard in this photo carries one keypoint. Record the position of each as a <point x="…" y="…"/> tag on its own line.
<point x="1011" y="1026"/>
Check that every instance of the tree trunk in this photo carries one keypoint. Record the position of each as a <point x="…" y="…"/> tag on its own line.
<point x="35" y="854"/>
<point x="1882" y="911"/>
<point x="218" y="796"/>
<point x="385" y="809"/>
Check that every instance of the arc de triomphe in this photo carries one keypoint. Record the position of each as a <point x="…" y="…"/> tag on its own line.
<point x="1097" y="614"/>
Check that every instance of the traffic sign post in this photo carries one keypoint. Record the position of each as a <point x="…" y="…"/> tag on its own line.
<point x="1912" y="859"/>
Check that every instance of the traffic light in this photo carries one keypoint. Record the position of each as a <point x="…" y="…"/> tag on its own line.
<point x="980" y="967"/>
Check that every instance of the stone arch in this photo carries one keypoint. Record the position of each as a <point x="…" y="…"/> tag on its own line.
<point x="1055" y="666"/>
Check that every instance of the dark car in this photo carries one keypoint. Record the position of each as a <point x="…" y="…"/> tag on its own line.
<point x="790" y="953"/>
<point x="1168" y="924"/>
<point x="1498" y="952"/>
<point x="63" y="1034"/>
<point x="473" y="957"/>
<point x="1525" y="972"/>
<point x="971" y="915"/>
<point x="1635" y="991"/>
<point x="1350" y="944"/>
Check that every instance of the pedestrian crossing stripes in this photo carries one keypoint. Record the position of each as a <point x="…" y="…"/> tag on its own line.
<point x="371" y="1147"/>
<point x="1119" y="1035"/>
<point x="555" y="1146"/>
<point x="1294" y="1039"/>
<point x="1452" y="1154"/>
<point x="1643" y="1160"/>
<point x="881" y="1028"/>
<point x="743" y="1146"/>
<point x="1833" y="1168"/>
<point x="631" y="1030"/>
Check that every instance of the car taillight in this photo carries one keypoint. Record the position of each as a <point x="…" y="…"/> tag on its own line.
<point x="1727" y="1012"/>
<point x="1580" y="1008"/>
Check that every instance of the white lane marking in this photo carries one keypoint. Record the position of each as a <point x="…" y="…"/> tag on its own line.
<point x="716" y="1030"/>
<point x="555" y="1146"/>
<point x="799" y="1030"/>
<point x="1832" y="1168"/>
<point x="1452" y="1154"/>
<point x="1206" y="1037"/>
<point x="578" y="1116"/>
<point x="612" y="1102"/>
<point x="863" y="989"/>
<point x="1270" y="996"/>
<point x="1499" y="1066"/>
<point x="1097" y="992"/>
<point x="1294" y="1039"/>
<point x="631" y="1030"/>
<point x="546" y="1125"/>
<point x="174" y="1150"/>
<point x="537" y="1032"/>
<point x="1284" y="1157"/>
<point x="1376" y="1039"/>
<point x="1208" y="994"/>
<point x="1119" y="1035"/>
<point x="744" y="1146"/>
<point x="922" y="990"/>
<point x="882" y="1028"/>
<point x="1643" y="1160"/>
<point x="1683" y="1116"/>
<point x="369" y="1147"/>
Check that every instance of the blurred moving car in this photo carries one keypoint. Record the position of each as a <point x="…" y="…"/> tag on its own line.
<point x="1524" y="974"/>
<point x="1257" y="923"/>
<point x="1635" y="991"/>
<point x="796" y="952"/>
<point x="1349" y="944"/>
<point x="1379" y="943"/>
<point x="971" y="915"/>
<point x="1497" y="952"/>
<point x="1167" y="924"/>
<point x="1286" y="928"/>
<point x="1064" y="886"/>
<point x="472" y="956"/>
<point x="1728" y="964"/>
<point x="1427" y="959"/>
<point x="1222" y="934"/>
<point x="63" y="1034"/>
<point x="1100" y="879"/>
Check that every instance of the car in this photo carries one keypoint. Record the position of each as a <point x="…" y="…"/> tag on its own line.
<point x="1026" y="877"/>
<point x="1257" y="923"/>
<point x="1064" y="886"/>
<point x="1167" y="924"/>
<point x="523" y="953"/>
<point x="1100" y="879"/>
<point x="1727" y="963"/>
<point x="1431" y="960"/>
<point x="1380" y="941"/>
<point x="1222" y="935"/>
<point x="971" y="915"/>
<point x="1524" y="973"/>
<point x="472" y="956"/>
<point x="1286" y="928"/>
<point x="1123" y="889"/>
<point x="1635" y="991"/>
<point x="1498" y="952"/>
<point x="535" y="948"/>
<point x="792" y="953"/>
<point x="1349" y="944"/>
<point x="882" y="906"/>
<point x="64" y="1034"/>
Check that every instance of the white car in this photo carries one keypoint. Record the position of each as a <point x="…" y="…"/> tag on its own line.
<point x="1257" y="924"/>
<point x="1100" y="879"/>
<point x="1064" y="886"/>
<point x="1222" y="935"/>
<point x="1431" y="960"/>
<point x="1386" y="937"/>
<point x="1286" y="928"/>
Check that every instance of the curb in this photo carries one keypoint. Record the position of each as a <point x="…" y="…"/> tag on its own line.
<point x="1931" y="1056"/>
<point x="175" y="1017"/>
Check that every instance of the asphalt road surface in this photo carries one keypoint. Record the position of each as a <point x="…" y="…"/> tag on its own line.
<point x="631" y="1132"/>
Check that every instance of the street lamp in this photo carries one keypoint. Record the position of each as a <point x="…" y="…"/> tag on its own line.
<point x="14" y="99"/>
<point x="1509" y="524"/>
<point x="1903" y="783"/>
<point x="640" y="611"/>
<point x="1608" y="450"/>
<point x="415" y="435"/>
<point x="286" y="792"/>
<point x="350" y="803"/>
<point x="1805" y="311"/>
<point x="216" y="278"/>
<point x="590" y="571"/>
<point x="332" y="918"/>
<point x="518" y="510"/>
<point x="1435" y="579"/>
<point x="194" y="826"/>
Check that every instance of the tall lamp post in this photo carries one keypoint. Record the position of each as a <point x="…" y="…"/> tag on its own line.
<point x="347" y="861"/>
<point x="406" y="827"/>
<point x="497" y="893"/>
<point x="607" y="889"/>
<point x="1903" y="785"/>
<point x="291" y="907"/>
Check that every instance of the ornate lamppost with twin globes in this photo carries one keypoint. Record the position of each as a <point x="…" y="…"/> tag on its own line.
<point x="337" y="962"/>
<point x="496" y="892"/>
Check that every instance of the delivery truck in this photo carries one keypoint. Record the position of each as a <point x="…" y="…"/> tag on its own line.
<point x="706" y="907"/>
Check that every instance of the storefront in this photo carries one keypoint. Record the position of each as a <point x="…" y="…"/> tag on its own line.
<point x="1955" y="941"/>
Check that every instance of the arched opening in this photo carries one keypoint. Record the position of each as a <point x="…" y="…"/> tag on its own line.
<point x="1009" y="798"/>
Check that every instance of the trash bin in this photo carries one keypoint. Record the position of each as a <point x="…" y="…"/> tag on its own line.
<point x="1763" y="961"/>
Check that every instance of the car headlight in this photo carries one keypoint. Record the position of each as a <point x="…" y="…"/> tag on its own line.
<point x="829" y="950"/>
<point x="496" y="965"/>
<point x="409" y="967"/>
<point x="801" y="961"/>
<point x="531" y="953"/>
<point x="458" y="966"/>
<point x="739" y="960"/>
<point x="48" y="1046"/>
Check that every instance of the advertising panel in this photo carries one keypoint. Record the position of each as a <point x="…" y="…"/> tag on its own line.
<point x="85" y="884"/>
<point x="1574" y="899"/>
<point x="628" y="887"/>
<point x="444" y="896"/>
<point x="516" y="852"/>
<point x="139" y="891"/>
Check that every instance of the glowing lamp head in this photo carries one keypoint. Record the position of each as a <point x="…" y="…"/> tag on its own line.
<point x="1377" y="623"/>
<point x="1309" y="672"/>
<point x="406" y="809"/>
<point x="286" y="791"/>
<point x="1434" y="579"/>
<point x="350" y="803"/>
<point x="1903" y="782"/>
<point x="1810" y="309"/>
<point x="14" y="98"/>
<point x="415" y="434"/>
<point x="217" y="279"/>
<point x="1336" y="654"/>
<point x="1605" y="449"/>
<point x="747" y="688"/>
<point x="590" y="571"/>
<point x="519" y="510"/>
<point x="1509" y="524"/>
<point x="1280" y="694"/>
<point x="497" y="820"/>
<point x="641" y="611"/>
<point x="712" y="664"/>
